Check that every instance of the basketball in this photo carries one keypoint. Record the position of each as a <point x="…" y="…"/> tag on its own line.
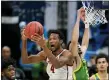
<point x="32" y="28"/>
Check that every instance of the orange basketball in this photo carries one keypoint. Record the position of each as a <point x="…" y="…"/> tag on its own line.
<point x="32" y="28"/>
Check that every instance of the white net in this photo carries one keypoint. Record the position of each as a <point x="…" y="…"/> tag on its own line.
<point x="93" y="16"/>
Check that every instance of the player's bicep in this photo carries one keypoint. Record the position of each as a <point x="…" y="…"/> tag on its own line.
<point x="74" y="49"/>
<point x="37" y="58"/>
<point x="66" y="59"/>
<point x="63" y="61"/>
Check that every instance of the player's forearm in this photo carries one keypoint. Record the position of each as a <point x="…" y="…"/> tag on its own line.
<point x="75" y="32"/>
<point x="85" y="40"/>
<point x="75" y="36"/>
<point x="24" y="54"/>
<point x="55" y="62"/>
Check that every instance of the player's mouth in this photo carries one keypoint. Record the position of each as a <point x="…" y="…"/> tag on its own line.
<point x="12" y="76"/>
<point x="102" y="67"/>
<point x="52" y="45"/>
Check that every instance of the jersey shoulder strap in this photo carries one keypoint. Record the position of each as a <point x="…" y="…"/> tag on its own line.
<point x="61" y="53"/>
<point x="96" y="76"/>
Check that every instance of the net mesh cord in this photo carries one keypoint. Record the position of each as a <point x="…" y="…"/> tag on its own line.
<point x="93" y="16"/>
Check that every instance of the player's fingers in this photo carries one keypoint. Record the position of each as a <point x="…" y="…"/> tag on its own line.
<point x="83" y="16"/>
<point x="24" y="36"/>
<point x="35" y="38"/>
<point x="37" y="35"/>
<point x="82" y="9"/>
<point x="31" y="36"/>
<point x="22" y="32"/>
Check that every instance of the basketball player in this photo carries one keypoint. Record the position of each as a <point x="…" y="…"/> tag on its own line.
<point x="102" y="63"/>
<point x="56" y="57"/>
<point x="79" y="66"/>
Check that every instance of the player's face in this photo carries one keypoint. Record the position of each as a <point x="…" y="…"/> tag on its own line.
<point x="102" y="64"/>
<point x="6" y="53"/>
<point x="54" y="42"/>
<point x="9" y="72"/>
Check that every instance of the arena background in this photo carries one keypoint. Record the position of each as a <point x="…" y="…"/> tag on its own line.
<point x="52" y="15"/>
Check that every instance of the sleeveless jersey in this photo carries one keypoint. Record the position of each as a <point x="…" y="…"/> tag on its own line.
<point x="81" y="72"/>
<point x="63" y="73"/>
<point x="96" y="76"/>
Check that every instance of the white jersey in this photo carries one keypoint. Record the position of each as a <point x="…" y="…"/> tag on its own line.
<point x="63" y="73"/>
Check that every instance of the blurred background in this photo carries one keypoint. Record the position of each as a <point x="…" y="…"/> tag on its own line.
<point x="52" y="15"/>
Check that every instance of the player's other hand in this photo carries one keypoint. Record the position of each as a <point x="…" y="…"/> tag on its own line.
<point x="22" y="35"/>
<point x="38" y="40"/>
<point x="81" y="14"/>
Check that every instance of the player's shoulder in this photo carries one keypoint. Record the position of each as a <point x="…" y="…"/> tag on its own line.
<point x="69" y="56"/>
<point x="66" y="52"/>
<point x="92" y="77"/>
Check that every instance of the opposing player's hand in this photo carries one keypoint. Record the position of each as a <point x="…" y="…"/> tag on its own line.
<point x="39" y="40"/>
<point x="81" y="14"/>
<point x="23" y="36"/>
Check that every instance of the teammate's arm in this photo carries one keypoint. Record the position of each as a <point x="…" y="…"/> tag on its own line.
<point x="33" y="58"/>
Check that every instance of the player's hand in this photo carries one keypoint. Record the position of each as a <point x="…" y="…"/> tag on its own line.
<point x="39" y="40"/>
<point x="23" y="36"/>
<point x="81" y="14"/>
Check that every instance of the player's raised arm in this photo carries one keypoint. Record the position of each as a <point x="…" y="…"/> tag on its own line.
<point x="85" y="39"/>
<point x="33" y="58"/>
<point x="75" y="35"/>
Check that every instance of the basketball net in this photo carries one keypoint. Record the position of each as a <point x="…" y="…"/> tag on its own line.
<point x="93" y="16"/>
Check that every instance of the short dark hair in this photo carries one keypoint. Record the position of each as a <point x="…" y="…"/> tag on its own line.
<point x="6" y="63"/>
<point x="61" y="36"/>
<point x="101" y="55"/>
<point x="93" y="56"/>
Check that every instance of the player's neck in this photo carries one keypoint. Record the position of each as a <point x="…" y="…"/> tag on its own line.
<point x="103" y="74"/>
<point x="58" y="51"/>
